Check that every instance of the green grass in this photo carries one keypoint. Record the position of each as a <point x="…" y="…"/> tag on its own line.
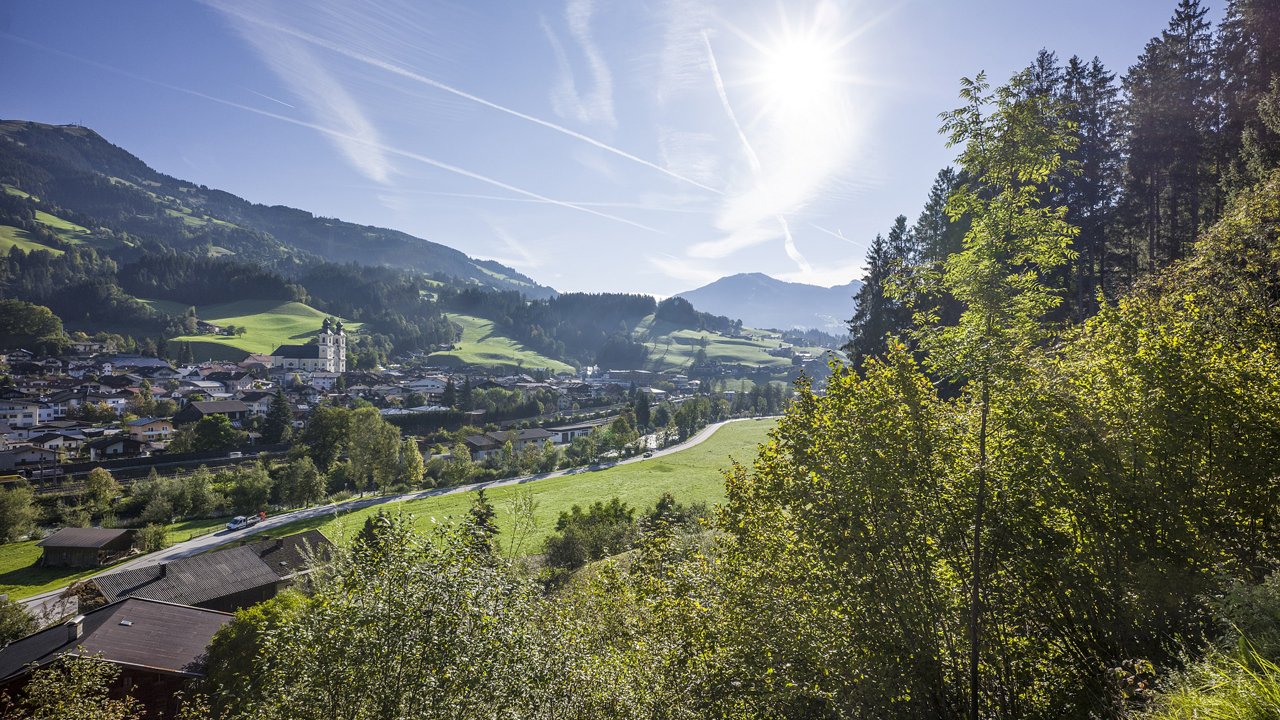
<point x="11" y="237"/>
<point x="166" y="307"/>
<point x="671" y="347"/>
<point x="692" y="475"/>
<point x="20" y="577"/>
<point x="267" y="323"/>
<point x="483" y="347"/>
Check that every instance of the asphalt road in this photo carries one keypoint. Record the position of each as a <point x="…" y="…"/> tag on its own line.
<point x="217" y="539"/>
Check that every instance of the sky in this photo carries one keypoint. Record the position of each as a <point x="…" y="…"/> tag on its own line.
<point x="644" y="146"/>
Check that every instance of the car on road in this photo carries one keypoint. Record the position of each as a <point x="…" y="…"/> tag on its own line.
<point x="649" y="454"/>
<point x="239" y="522"/>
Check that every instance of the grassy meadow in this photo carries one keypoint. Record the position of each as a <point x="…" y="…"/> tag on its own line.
<point x="692" y="475"/>
<point x="481" y="345"/>
<point x="267" y="323"/>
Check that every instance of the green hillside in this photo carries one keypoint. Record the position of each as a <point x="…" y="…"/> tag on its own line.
<point x="692" y="475"/>
<point x="480" y="345"/>
<point x="672" y="347"/>
<point x="11" y="237"/>
<point x="267" y="323"/>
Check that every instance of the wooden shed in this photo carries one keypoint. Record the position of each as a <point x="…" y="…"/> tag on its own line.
<point x="85" y="547"/>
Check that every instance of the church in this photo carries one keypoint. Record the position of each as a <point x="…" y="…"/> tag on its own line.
<point x="328" y="353"/>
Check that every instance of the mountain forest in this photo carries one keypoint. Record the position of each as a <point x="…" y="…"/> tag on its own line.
<point x="1043" y="483"/>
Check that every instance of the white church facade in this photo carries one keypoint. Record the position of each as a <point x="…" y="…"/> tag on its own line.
<point x="327" y="354"/>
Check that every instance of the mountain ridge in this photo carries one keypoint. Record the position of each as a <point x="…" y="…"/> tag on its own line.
<point x="763" y="301"/>
<point x="78" y="169"/>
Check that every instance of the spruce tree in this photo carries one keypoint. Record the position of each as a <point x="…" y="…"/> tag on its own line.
<point x="279" y="423"/>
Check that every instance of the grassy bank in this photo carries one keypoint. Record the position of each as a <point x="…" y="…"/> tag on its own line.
<point x="692" y="475"/>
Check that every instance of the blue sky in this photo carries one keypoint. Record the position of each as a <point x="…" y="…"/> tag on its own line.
<point x="625" y="146"/>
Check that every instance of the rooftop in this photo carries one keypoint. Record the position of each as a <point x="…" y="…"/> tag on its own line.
<point x="193" y="580"/>
<point x="82" y="537"/>
<point x="136" y="632"/>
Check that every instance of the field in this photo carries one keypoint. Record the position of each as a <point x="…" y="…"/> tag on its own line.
<point x="267" y="323"/>
<point x="11" y="237"/>
<point x="692" y="475"/>
<point x="20" y="577"/>
<point x="671" y="347"/>
<point x="481" y="346"/>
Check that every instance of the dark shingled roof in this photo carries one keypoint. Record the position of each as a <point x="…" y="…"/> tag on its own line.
<point x="82" y="537"/>
<point x="287" y="555"/>
<point x="191" y="581"/>
<point x="297" y="352"/>
<point x="210" y="407"/>
<point x="159" y="636"/>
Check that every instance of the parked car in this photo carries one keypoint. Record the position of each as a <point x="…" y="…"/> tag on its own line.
<point x="240" y="521"/>
<point x="649" y="453"/>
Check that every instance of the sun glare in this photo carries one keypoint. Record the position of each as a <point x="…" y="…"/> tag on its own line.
<point x="799" y="70"/>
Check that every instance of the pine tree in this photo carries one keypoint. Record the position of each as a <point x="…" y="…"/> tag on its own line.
<point x="1170" y="184"/>
<point x="1249" y="91"/>
<point x="450" y="396"/>
<point x="279" y="423"/>
<point x="866" y="328"/>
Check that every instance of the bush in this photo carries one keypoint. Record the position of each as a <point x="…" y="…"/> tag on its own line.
<point x="151" y="538"/>
<point x="601" y="531"/>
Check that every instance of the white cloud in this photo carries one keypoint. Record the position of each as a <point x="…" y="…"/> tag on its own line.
<point x="596" y="104"/>
<point x="324" y="97"/>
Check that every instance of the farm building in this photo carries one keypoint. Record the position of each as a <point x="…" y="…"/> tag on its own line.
<point x="85" y="547"/>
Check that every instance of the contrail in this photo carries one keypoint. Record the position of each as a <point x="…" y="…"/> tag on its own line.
<point x="833" y="233"/>
<point x="788" y="242"/>
<point x="575" y="203"/>
<point x="334" y="133"/>
<point x="274" y="100"/>
<point x="419" y="78"/>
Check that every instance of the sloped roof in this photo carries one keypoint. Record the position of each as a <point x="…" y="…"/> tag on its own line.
<point x="192" y="580"/>
<point x="136" y="632"/>
<point x="286" y="556"/>
<point x="297" y="352"/>
<point x="213" y="407"/>
<point x="82" y="537"/>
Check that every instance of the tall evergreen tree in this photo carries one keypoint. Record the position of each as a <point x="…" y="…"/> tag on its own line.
<point x="1170" y="185"/>
<point x="1249" y="91"/>
<point x="279" y="423"/>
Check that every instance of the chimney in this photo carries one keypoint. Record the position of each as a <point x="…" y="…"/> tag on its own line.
<point x="164" y="569"/>
<point x="279" y="542"/>
<point x="75" y="628"/>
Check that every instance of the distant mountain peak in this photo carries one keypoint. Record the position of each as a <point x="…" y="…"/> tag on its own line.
<point x="763" y="301"/>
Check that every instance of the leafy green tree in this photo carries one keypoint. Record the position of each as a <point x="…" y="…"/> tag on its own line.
<point x="233" y="680"/>
<point x="75" y="687"/>
<point x="251" y="489"/>
<point x="325" y="435"/>
<point x="100" y="490"/>
<point x="373" y="445"/>
<point x="300" y="483"/>
<point x="151" y="538"/>
<point x="411" y="465"/>
<point x="29" y="326"/>
<point x="18" y="512"/>
<point x="457" y="625"/>
<point x="603" y="529"/>
<point x="482" y="522"/>
<point x="15" y="622"/>
<point x="209" y="433"/>
<point x="1014" y="242"/>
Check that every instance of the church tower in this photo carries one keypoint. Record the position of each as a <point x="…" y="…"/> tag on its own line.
<point x="333" y="346"/>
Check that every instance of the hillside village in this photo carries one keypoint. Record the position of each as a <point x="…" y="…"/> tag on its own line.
<point x="60" y="416"/>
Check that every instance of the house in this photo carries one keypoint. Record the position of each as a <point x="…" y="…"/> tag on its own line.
<point x="258" y="401"/>
<point x="235" y="410"/>
<point x="27" y="454"/>
<point x="150" y="430"/>
<point x="24" y="413"/>
<point x="227" y="580"/>
<point x="57" y="442"/>
<point x="325" y="381"/>
<point x="159" y="648"/>
<point x="489" y="444"/>
<point x="114" y="446"/>
<point x="565" y="434"/>
<point x="234" y="382"/>
<point x="84" y="547"/>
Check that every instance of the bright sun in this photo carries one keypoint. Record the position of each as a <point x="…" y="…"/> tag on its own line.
<point x="800" y="69"/>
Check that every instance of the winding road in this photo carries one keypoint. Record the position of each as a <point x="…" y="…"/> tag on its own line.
<point x="218" y="538"/>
